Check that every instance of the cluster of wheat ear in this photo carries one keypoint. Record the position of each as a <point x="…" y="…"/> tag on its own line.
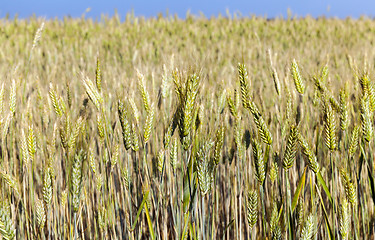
<point x="163" y="133"/>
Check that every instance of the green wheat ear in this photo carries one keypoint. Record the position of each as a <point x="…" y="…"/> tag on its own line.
<point x="366" y="116"/>
<point x="173" y="156"/>
<point x="291" y="148"/>
<point x="144" y="93"/>
<point x="98" y="75"/>
<point x="274" y="220"/>
<point x="260" y="171"/>
<point x="218" y="145"/>
<point x="204" y="168"/>
<point x="148" y="124"/>
<point x="274" y="171"/>
<point x="47" y="187"/>
<point x="309" y="154"/>
<point x="354" y="141"/>
<point x="40" y="214"/>
<point x="344" y="220"/>
<point x="252" y="207"/>
<point x="330" y="128"/>
<point x="309" y="229"/>
<point x="125" y="126"/>
<point x="7" y="229"/>
<point x="298" y="82"/>
<point x="350" y="190"/>
<point x="263" y="130"/>
<point x="243" y="77"/>
<point x="76" y="182"/>
<point x="344" y="116"/>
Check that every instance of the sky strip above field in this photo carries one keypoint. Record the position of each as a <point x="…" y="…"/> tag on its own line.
<point x="270" y="9"/>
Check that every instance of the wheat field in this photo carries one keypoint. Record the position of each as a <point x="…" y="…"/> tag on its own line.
<point x="197" y="128"/>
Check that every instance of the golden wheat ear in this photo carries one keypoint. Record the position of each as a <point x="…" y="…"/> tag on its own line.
<point x="252" y="208"/>
<point x="298" y="82"/>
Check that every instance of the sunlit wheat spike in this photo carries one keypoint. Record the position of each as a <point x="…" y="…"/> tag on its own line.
<point x="92" y="161"/>
<point x="330" y="128"/>
<point x="144" y="93"/>
<point x="289" y="104"/>
<point x="173" y="155"/>
<point x="12" y="97"/>
<point x="10" y="182"/>
<point x="252" y="207"/>
<point x="344" y="118"/>
<point x="243" y="78"/>
<point x="148" y="124"/>
<point x="276" y="233"/>
<point x="365" y="84"/>
<point x="354" y="141"/>
<point x="276" y="81"/>
<point x="320" y="85"/>
<point x="274" y="171"/>
<point x="51" y="145"/>
<point x="306" y="150"/>
<point x="298" y="82"/>
<point x="291" y="148"/>
<point x="31" y="143"/>
<point x="350" y="190"/>
<point x="7" y="230"/>
<point x="334" y="104"/>
<point x="274" y="220"/>
<point x="74" y="134"/>
<point x="100" y="124"/>
<point x="344" y="219"/>
<point x="300" y="212"/>
<point x="204" y="168"/>
<point x="232" y="107"/>
<point x="102" y="219"/>
<point x="254" y="109"/>
<point x="324" y="73"/>
<point x="366" y="120"/>
<point x="24" y="150"/>
<point x="160" y="158"/>
<point x="76" y="176"/>
<point x="47" y="187"/>
<point x="125" y="176"/>
<point x="63" y="198"/>
<point x="135" y="110"/>
<point x="98" y="75"/>
<point x="188" y="104"/>
<point x="99" y="182"/>
<point x="1" y="99"/>
<point x="69" y="95"/>
<point x="40" y="214"/>
<point x="260" y="168"/>
<point x="263" y="130"/>
<point x="115" y="155"/>
<point x="238" y="133"/>
<point x="5" y="127"/>
<point x="145" y="189"/>
<point x="65" y="132"/>
<point x="134" y="139"/>
<point x="165" y="82"/>
<point x="54" y="100"/>
<point x="38" y="35"/>
<point x="218" y="145"/>
<point x="309" y="229"/>
<point x="125" y="125"/>
<point x="92" y="92"/>
<point x="372" y="96"/>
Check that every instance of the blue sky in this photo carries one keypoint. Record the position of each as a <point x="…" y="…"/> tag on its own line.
<point x="274" y="8"/>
